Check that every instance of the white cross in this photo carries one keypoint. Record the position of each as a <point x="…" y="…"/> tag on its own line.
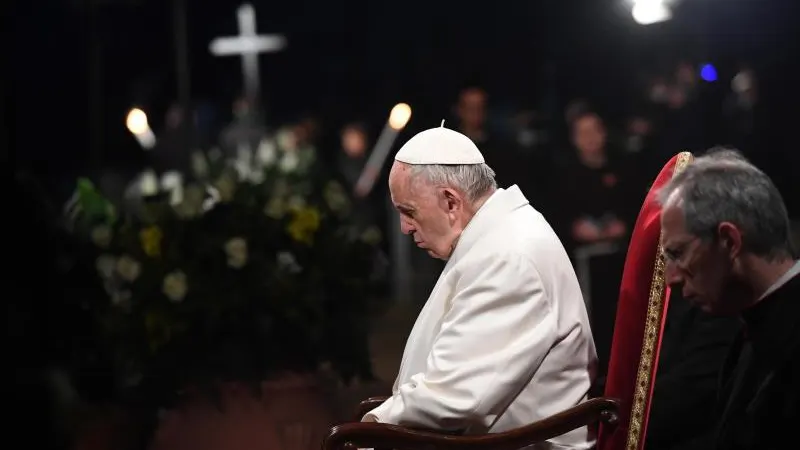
<point x="248" y="45"/>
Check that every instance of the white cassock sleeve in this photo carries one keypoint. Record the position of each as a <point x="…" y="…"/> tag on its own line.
<point x="499" y="327"/>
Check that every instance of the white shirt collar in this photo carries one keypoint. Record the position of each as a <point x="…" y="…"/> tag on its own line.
<point x="791" y="273"/>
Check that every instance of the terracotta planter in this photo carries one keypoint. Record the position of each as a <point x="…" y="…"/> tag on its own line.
<point x="291" y="415"/>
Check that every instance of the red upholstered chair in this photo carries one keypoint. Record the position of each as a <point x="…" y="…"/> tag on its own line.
<point x="623" y="410"/>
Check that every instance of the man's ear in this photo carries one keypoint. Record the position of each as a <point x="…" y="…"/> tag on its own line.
<point x="730" y="238"/>
<point x="452" y="199"/>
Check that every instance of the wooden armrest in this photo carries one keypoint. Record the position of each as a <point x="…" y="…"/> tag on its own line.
<point x="367" y="406"/>
<point x="378" y="435"/>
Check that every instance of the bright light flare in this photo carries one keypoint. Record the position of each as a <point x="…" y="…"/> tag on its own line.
<point x="399" y="117"/>
<point x="137" y="121"/>
<point x="648" y="12"/>
<point x="137" y="124"/>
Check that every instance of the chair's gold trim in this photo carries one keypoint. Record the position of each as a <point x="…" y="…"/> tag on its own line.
<point x="655" y="309"/>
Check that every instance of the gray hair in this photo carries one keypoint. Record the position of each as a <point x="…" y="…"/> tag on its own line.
<point x="722" y="186"/>
<point x="474" y="180"/>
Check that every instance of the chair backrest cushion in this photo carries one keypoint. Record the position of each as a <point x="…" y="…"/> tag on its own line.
<point x="641" y="311"/>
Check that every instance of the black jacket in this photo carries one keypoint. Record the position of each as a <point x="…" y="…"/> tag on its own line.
<point x="693" y="349"/>
<point x="760" y="405"/>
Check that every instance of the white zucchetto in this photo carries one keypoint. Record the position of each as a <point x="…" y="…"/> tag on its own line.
<point x="439" y="146"/>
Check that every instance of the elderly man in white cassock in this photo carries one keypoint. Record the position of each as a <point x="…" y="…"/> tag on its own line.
<point x="503" y="340"/>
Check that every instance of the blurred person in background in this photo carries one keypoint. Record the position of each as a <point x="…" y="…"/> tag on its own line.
<point x="743" y="113"/>
<point x="596" y="207"/>
<point x="352" y="156"/>
<point x="680" y="121"/>
<point x="471" y="112"/>
<point x="596" y="197"/>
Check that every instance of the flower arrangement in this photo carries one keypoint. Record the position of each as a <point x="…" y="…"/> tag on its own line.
<point x="252" y="272"/>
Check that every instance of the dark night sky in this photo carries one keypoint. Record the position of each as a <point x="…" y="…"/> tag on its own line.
<point x="357" y="58"/>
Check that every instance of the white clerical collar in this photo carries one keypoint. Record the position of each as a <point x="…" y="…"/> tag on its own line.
<point x="791" y="273"/>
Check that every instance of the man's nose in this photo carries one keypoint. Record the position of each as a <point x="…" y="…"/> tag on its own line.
<point x="672" y="275"/>
<point x="406" y="227"/>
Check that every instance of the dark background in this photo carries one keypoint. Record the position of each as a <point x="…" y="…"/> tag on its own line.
<point x="78" y="66"/>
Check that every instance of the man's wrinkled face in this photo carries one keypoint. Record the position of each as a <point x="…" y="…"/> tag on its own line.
<point x="698" y="267"/>
<point x="427" y="212"/>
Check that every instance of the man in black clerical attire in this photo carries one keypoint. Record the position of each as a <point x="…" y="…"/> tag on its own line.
<point x="725" y="234"/>
<point x="693" y="348"/>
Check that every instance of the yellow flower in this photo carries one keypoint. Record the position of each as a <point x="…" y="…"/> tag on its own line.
<point x="151" y="241"/>
<point x="304" y="224"/>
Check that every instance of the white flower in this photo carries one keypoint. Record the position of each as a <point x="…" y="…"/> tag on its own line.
<point x="287" y="140"/>
<point x="214" y="197"/>
<point x="199" y="164"/>
<point x="256" y="176"/>
<point x="236" y="249"/>
<point x="101" y="236"/>
<point x="175" y="286"/>
<point x="105" y="265"/>
<point x="128" y="268"/>
<point x="244" y="160"/>
<point x="226" y="187"/>
<point x="172" y="184"/>
<point x="148" y="183"/>
<point x="289" y="162"/>
<point x="287" y="262"/>
<point x="192" y="204"/>
<point x="266" y="153"/>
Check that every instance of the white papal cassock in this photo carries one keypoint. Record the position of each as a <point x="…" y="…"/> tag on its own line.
<point x="504" y="339"/>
